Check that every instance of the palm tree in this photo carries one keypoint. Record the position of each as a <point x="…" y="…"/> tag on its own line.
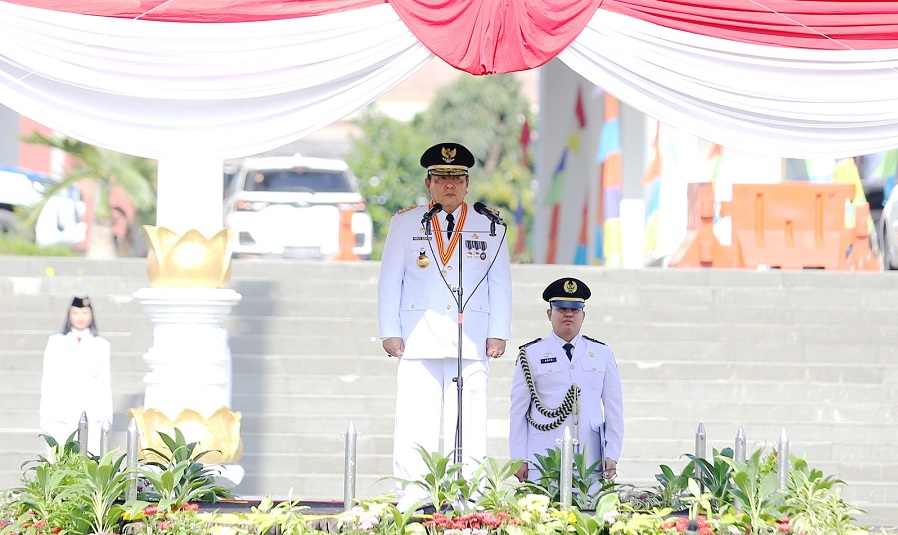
<point x="106" y="170"/>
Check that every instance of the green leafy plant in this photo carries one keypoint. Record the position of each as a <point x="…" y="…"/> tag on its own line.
<point x="19" y="246"/>
<point x="444" y="482"/>
<point x="755" y="492"/>
<point x="586" y="480"/>
<point x="698" y="500"/>
<point x="180" y="476"/>
<point x="496" y="494"/>
<point x="715" y="476"/>
<point x="607" y="510"/>
<point x="814" y="505"/>
<point x="671" y="487"/>
<point x="51" y="494"/>
<point x="285" y="517"/>
<point x="103" y="482"/>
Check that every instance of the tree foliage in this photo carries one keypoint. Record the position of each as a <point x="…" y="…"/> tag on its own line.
<point x="107" y="170"/>
<point x="485" y="114"/>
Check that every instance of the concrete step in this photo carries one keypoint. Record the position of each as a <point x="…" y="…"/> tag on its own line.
<point x="811" y="352"/>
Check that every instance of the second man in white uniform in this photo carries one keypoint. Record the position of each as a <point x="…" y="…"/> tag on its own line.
<point x="566" y="380"/>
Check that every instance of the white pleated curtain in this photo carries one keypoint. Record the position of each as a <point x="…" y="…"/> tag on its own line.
<point x="158" y="89"/>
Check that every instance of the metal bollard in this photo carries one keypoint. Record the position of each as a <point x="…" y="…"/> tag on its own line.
<point x="782" y="461"/>
<point x="739" y="457"/>
<point x="349" y="470"/>
<point x="131" y="492"/>
<point x="567" y="468"/>
<point x="700" y="439"/>
<point x="82" y="433"/>
<point x="104" y="438"/>
<point x="739" y="452"/>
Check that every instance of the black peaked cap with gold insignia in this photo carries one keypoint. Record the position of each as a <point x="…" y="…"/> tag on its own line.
<point x="447" y="159"/>
<point x="567" y="293"/>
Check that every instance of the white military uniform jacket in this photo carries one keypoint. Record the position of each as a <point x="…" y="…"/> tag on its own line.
<point x="76" y="377"/>
<point x="594" y="370"/>
<point x="415" y="302"/>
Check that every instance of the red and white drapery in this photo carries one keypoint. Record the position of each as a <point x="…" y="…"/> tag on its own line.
<point x="224" y="78"/>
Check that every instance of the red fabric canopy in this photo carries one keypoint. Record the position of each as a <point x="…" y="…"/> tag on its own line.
<point x="496" y="36"/>
<point x="820" y="24"/>
<point x="491" y="36"/>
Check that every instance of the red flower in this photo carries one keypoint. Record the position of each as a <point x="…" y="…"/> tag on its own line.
<point x="783" y="525"/>
<point x="57" y="529"/>
<point x="150" y="510"/>
<point x="195" y="507"/>
<point x="40" y="523"/>
<point x="165" y="525"/>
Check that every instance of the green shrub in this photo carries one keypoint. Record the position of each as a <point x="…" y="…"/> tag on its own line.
<point x="18" y="246"/>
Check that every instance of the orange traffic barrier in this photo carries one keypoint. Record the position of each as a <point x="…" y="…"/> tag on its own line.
<point x="347" y="237"/>
<point x="789" y="225"/>
<point x="701" y="248"/>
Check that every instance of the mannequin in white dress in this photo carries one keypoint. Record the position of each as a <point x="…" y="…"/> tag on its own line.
<point x="76" y="377"/>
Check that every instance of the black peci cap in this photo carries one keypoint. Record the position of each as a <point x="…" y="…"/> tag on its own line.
<point x="567" y="293"/>
<point x="81" y="302"/>
<point x="447" y="159"/>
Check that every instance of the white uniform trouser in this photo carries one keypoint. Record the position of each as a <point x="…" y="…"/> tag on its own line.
<point x="425" y="394"/>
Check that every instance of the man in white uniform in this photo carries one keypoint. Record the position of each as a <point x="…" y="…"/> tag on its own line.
<point x="566" y="380"/>
<point x="429" y="253"/>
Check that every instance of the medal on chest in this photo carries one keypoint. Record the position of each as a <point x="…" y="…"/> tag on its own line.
<point x="423" y="261"/>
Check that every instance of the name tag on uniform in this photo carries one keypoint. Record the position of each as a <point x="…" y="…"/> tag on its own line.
<point x="420" y="237"/>
<point x="547" y="360"/>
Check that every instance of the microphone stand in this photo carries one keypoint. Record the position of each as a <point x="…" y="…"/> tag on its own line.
<point x="459" y="381"/>
<point x="460" y="304"/>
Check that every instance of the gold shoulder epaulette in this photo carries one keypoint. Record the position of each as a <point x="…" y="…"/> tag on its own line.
<point x="594" y="340"/>
<point x="529" y="343"/>
<point x="406" y="209"/>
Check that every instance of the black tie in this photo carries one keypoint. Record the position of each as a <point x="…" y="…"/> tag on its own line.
<point x="450" y="224"/>
<point x="567" y="349"/>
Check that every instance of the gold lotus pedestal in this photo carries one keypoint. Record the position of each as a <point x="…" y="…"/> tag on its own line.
<point x="189" y="381"/>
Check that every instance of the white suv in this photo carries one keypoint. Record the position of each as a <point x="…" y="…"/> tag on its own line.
<point x="297" y="207"/>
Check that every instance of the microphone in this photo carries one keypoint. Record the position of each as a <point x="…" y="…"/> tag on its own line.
<point x="481" y="209"/>
<point x="430" y="213"/>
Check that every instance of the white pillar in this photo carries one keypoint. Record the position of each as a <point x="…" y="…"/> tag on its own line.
<point x="190" y="361"/>
<point x="189" y="194"/>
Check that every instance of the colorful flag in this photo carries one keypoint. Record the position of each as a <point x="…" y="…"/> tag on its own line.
<point x="651" y="186"/>
<point x="608" y="247"/>
<point x="580" y="253"/>
<point x="520" y="243"/>
<point x="556" y="189"/>
<point x="553" y="199"/>
<point x="525" y="143"/>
